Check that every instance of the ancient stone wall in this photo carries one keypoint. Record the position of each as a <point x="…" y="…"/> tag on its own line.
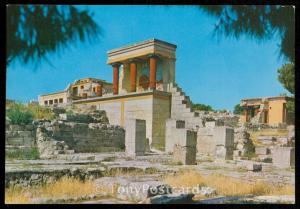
<point x="80" y="132"/>
<point x="86" y="137"/>
<point x="19" y="136"/>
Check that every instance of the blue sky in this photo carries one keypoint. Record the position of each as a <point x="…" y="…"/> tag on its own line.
<point x="211" y="71"/>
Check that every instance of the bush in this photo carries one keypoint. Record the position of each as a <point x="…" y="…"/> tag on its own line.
<point x="202" y="107"/>
<point x="23" y="154"/>
<point x="18" y="114"/>
<point x="40" y="112"/>
<point x="267" y="160"/>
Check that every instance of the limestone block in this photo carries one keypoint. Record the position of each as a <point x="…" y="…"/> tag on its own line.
<point x="210" y="124"/>
<point x="182" y="137"/>
<point x="173" y="123"/>
<point x="29" y="141"/>
<point x="237" y="153"/>
<point x="220" y="152"/>
<point x="17" y="127"/>
<point x="15" y="141"/>
<point x="224" y="153"/>
<point x="135" y="137"/>
<point x="255" y="167"/>
<point x="205" y="144"/>
<point x="184" y="155"/>
<point x="24" y="133"/>
<point x="283" y="157"/>
<point x="224" y="136"/>
<point x="261" y="150"/>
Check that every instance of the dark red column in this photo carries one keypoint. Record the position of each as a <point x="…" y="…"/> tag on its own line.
<point x="116" y="78"/>
<point x="133" y="70"/>
<point x="153" y="65"/>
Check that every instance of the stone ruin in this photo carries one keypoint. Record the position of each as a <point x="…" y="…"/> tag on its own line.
<point x="135" y="137"/>
<point x="84" y="131"/>
<point x="181" y="142"/>
<point x="243" y="145"/>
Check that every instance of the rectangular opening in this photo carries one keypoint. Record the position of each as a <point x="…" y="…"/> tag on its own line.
<point x="46" y="102"/>
<point x="61" y="100"/>
<point x="55" y="101"/>
<point x="50" y="102"/>
<point x="75" y="91"/>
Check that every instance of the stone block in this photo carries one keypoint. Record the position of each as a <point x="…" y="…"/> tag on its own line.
<point x="25" y="133"/>
<point x="16" y="127"/>
<point x="173" y="123"/>
<point x="135" y="137"/>
<point x="205" y="144"/>
<point x="181" y="136"/>
<point x="283" y="157"/>
<point x="237" y="153"/>
<point x="29" y="127"/>
<point x="224" y="136"/>
<point x="184" y="155"/>
<point x="223" y="153"/>
<point x="28" y="141"/>
<point x="261" y="150"/>
<point x="255" y="167"/>
<point x="15" y="141"/>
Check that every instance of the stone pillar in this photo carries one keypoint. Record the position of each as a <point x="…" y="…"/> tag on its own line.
<point x="133" y="69"/>
<point x="153" y="66"/>
<point x="283" y="157"/>
<point x="116" y="78"/>
<point x="171" y="133"/>
<point x="135" y="137"/>
<point x="224" y="139"/>
<point x="185" y="147"/>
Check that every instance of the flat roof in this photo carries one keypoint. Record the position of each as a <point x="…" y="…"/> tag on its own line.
<point x="260" y="98"/>
<point x="141" y="43"/>
<point x="142" y="49"/>
<point x="58" y="92"/>
<point x="90" y="78"/>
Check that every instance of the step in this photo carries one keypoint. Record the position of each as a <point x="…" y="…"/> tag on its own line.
<point x="178" y="93"/>
<point x="70" y="151"/>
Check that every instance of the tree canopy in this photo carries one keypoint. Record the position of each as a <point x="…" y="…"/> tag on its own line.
<point x="34" y="31"/>
<point x="261" y="22"/>
<point x="202" y="107"/>
<point x="286" y="76"/>
<point x="238" y="110"/>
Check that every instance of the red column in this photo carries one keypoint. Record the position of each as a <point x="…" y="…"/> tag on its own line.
<point x="132" y="76"/>
<point x="116" y="78"/>
<point x="153" y="64"/>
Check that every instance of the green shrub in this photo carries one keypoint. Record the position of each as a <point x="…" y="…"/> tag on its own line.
<point x="40" y="112"/>
<point x="267" y="160"/>
<point x="19" y="114"/>
<point x="23" y="154"/>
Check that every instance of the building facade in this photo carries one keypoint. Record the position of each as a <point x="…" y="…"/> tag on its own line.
<point x="269" y="110"/>
<point x="142" y="76"/>
<point x="80" y="89"/>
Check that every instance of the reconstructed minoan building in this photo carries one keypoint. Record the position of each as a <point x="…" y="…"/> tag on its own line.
<point x="269" y="110"/>
<point x="144" y="88"/>
<point x="80" y="89"/>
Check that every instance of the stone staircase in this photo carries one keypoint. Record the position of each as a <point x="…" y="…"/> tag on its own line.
<point x="181" y="108"/>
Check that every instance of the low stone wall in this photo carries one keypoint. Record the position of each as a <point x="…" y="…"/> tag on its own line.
<point x="79" y="132"/>
<point x="85" y="137"/>
<point x="17" y="136"/>
<point x="32" y="178"/>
